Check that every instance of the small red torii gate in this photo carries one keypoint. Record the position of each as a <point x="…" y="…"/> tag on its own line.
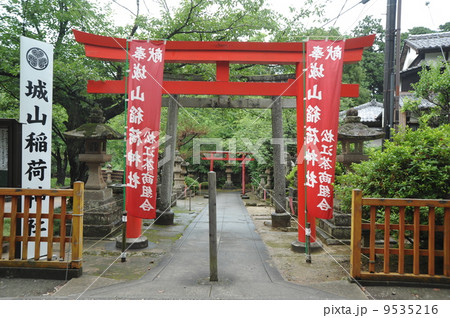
<point x="223" y="54"/>
<point x="227" y="157"/>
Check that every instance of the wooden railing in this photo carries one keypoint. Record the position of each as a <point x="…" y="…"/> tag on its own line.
<point x="397" y="250"/>
<point x="60" y="238"/>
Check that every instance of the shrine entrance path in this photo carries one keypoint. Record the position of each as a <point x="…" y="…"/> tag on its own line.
<point x="244" y="265"/>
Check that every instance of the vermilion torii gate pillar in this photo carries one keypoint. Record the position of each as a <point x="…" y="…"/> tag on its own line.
<point x="223" y="54"/>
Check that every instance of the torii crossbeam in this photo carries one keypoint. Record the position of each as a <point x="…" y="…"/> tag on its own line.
<point x="222" y="54"/>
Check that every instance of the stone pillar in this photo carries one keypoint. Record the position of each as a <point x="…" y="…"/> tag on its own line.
<point x="165" y="215"/>
<point x="280" y="218"/>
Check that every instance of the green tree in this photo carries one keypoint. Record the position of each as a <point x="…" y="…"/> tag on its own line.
<point x="434" y="85"/>
<point x="51" y="21"/>
<point x="415" y="164"/>
<point x="445" y="27"/>
<point x="373" y="57"/>
<point x="420" y="30"/>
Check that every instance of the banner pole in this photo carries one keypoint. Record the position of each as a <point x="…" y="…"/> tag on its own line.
<point x="124" y="215"/>
<point x="305" y="164"/>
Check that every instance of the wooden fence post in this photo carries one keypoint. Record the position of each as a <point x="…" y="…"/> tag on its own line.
<point x="77" y="224"/>
<point x="447" y="242"/>
<point x="355" y="257"/>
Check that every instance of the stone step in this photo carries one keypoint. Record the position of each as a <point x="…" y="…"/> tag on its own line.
<point x="338" y="232"/>
<point x="325" y="237"/>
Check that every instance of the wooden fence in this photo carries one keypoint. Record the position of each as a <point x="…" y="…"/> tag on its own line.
<point x="393" y="249"/>
<point x="68" y="246"/>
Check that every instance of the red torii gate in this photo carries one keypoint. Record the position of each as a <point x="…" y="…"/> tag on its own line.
<point x="223" y="54"/>
<point x="228" y="158"/>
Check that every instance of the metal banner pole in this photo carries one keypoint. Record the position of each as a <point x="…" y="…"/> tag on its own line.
<point x="124" y="215"/>
<point x="212" y="227"/>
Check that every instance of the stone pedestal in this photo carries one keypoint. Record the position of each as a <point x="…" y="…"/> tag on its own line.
<point x="281" y="219"/>
<point x="132" y="243"/>
<point x="164" y="217"/>
<point x="102" y="214"/>
<point x="337" y="230"/>
<point x="300" y="247"/>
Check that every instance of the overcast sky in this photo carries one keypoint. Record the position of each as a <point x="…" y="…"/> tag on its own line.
<point x="414" y="12"/>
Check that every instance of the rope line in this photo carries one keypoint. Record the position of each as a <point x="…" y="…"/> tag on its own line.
<point x="193" y="117"/>
<point x="135" y="240"/>
<point x="325" y="250"/>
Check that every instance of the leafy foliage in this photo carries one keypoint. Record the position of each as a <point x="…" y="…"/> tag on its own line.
<point x="52" y="21"/>
<point x="191" y="20"/>
<point x="445" y="27"/>
<point x="434" y="85"/>
<point x="373" y="57"/>
<point x="191" y="184"/>
<point x="415" y="164"/>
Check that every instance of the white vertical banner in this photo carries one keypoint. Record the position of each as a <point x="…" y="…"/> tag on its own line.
<point x="36" y="92"/>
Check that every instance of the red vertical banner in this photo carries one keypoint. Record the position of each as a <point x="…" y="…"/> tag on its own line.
<point x="143" y="122"/>
<point x="324" y="62"/>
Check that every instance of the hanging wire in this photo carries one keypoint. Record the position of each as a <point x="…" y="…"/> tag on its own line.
<point x="134" y="241"/>
<point x="340" y="12"/>
<point x="363" y="1"/>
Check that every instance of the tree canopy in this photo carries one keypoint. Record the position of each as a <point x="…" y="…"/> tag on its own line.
<point x="192" y="20"/>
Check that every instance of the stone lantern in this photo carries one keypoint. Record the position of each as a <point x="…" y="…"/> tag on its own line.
<point x="352" y="135"/>
<point x="269" y="178"/>
<point x="99" y="202"/>
<point x="184" y="170"/>
<point x="229" y="183"/>
<point x="178" y="179"/>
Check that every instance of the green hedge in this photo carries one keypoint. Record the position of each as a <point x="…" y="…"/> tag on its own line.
<point x="415" y="164"/>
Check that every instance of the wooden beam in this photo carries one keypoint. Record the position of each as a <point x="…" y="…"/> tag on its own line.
<point x="407" y="202"/>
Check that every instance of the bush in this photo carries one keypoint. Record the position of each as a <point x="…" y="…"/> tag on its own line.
<point x="415" y="164"/>
<point x="191" y="184"/>
<point x="290" y="177"/>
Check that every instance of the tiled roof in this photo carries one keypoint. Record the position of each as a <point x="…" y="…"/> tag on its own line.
<point x="424" y="103"/>
<point x="368" y="111"/>
<point x="429" y="41"/>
